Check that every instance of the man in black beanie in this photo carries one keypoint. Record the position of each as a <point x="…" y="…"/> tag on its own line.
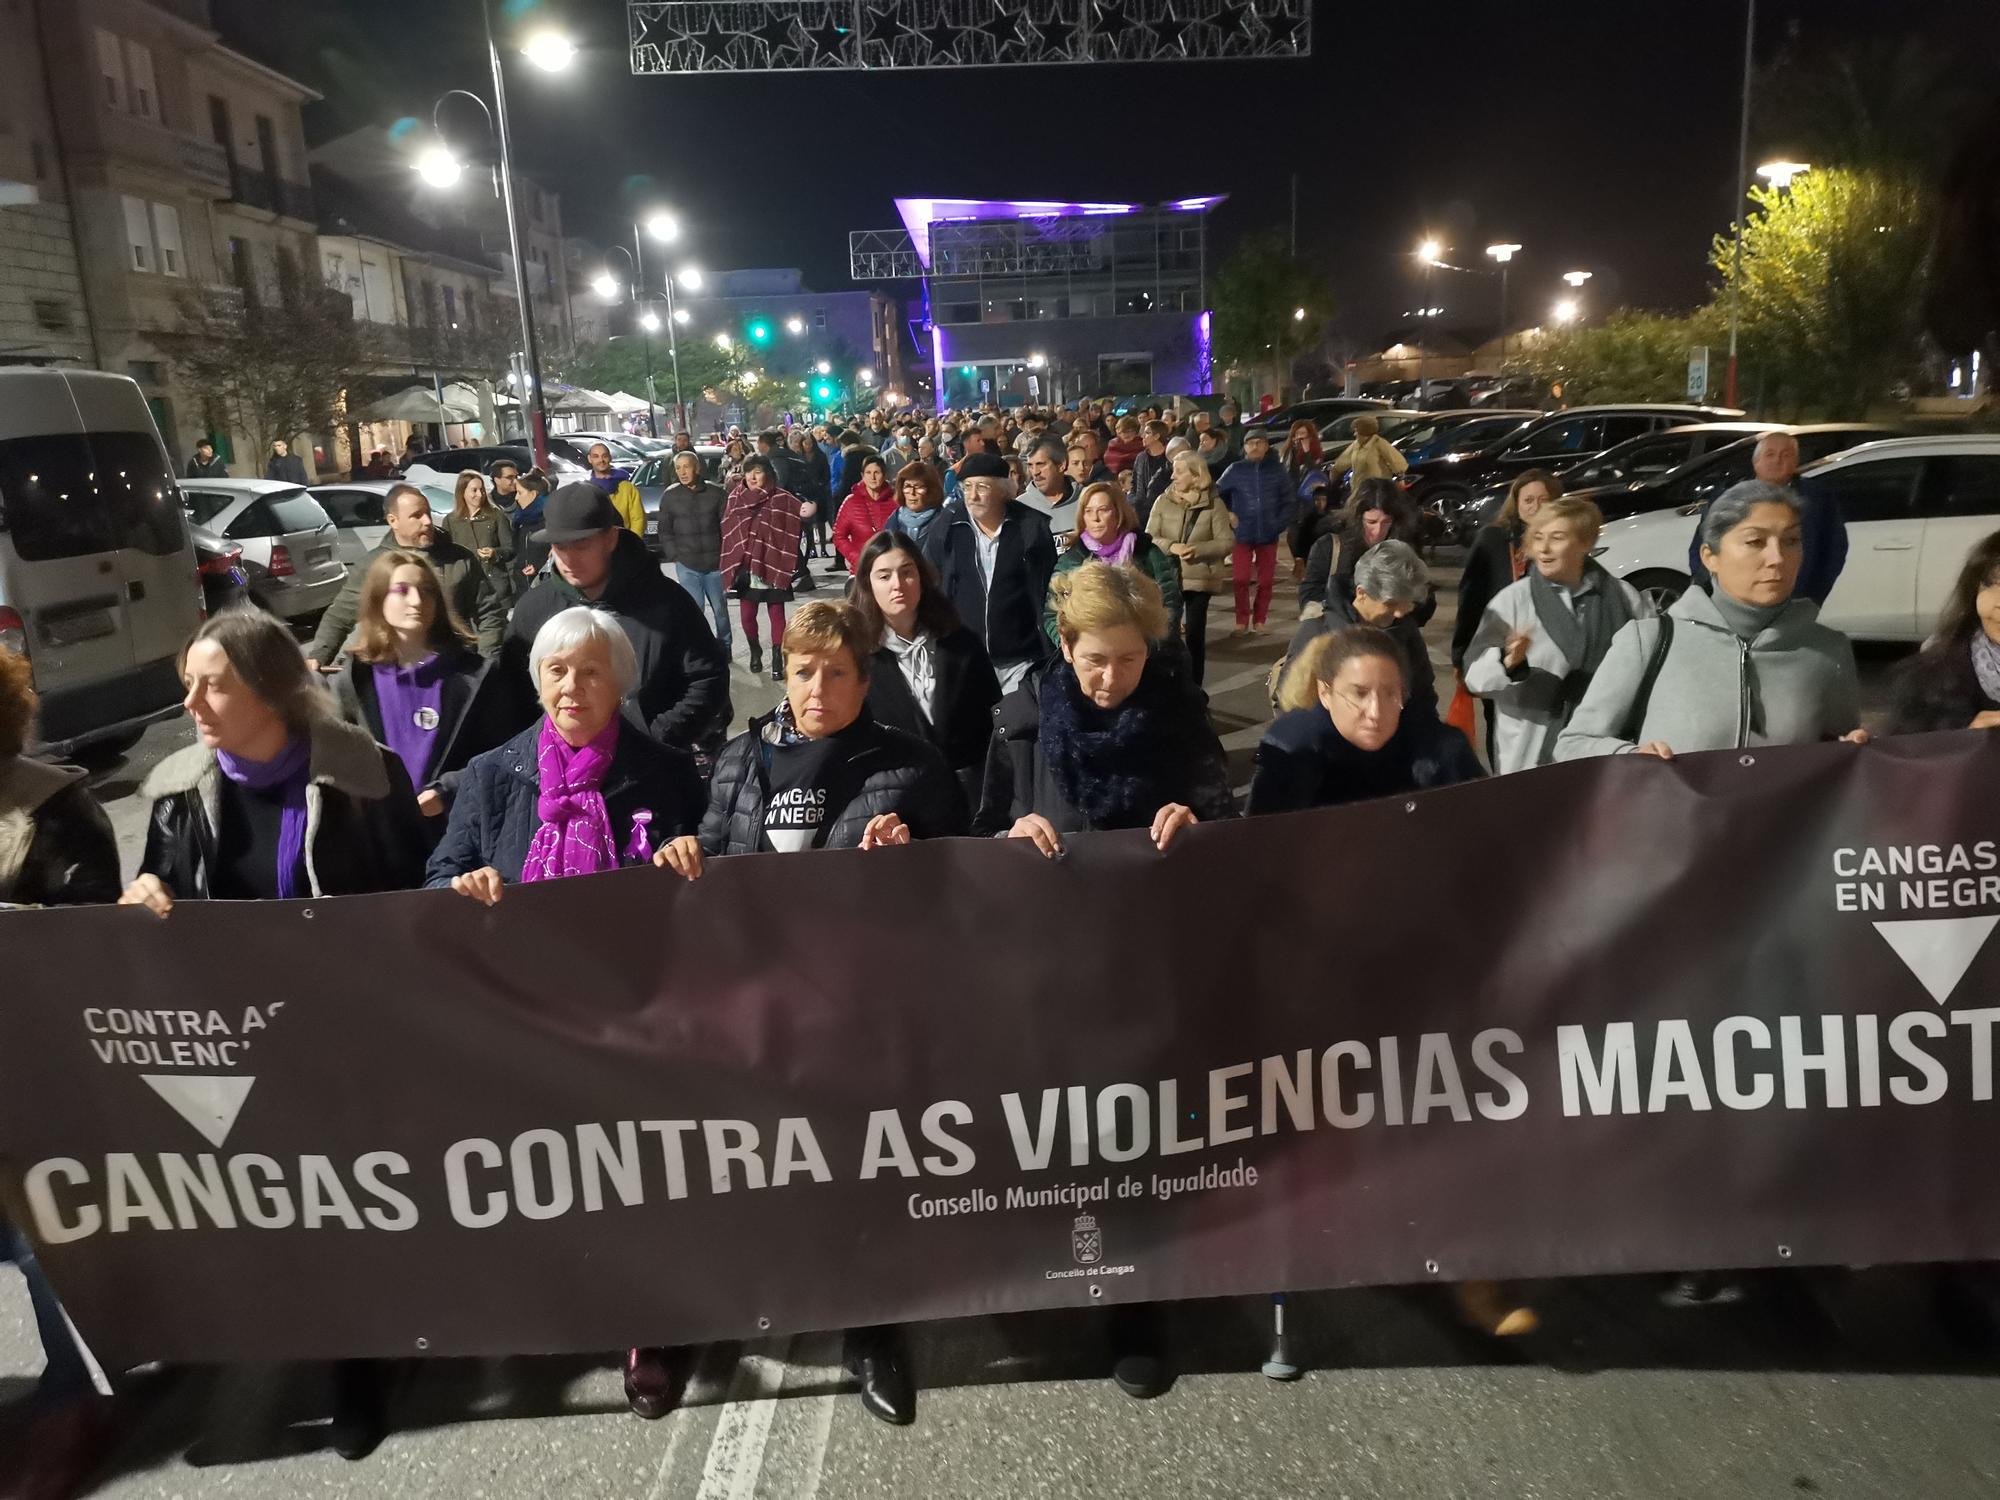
<point x="683" y="693"/>
<point x="995" y="557"/>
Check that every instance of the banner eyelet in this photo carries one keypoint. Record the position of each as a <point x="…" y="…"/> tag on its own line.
<point x="423" y="1344"/>
<point x="1430" y="1268"/>
<point x="1096" y="1291"/>
<point x="1409" y="807"/>
<point x="1746" y="760"/>
<point x="307" y="913"/>
<point x="764" y="1325"/>
<point x="1784" y="1252"/>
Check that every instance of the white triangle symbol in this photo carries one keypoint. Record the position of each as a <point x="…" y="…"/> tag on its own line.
<point x="1938" y="950"/>
<point x="210" y="1104"/>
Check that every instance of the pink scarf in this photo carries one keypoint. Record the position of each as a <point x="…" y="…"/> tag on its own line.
<point x="1114" y="553"/>
<point x="575" y="837"/>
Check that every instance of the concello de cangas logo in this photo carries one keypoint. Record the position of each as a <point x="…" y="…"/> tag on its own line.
<point x="1086" y="1240"/>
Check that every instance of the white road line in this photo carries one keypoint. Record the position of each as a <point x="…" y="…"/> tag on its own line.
<point x="736" y="1452"/>
<point x="821" y="1433"/>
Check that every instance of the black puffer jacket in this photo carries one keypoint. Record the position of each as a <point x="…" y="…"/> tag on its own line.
<point x="1019" y="780"/>
<point x="56" y="844"/>
<point x="497" y="811"/>
<point x="894" y="772"/>
<point x="683" y="694"/>
<point x="1937" y="689"/>
<point x="691" y="525"/>
<point x="363" y="831"/>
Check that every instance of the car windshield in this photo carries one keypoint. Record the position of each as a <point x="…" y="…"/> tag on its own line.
<point x="71" y="495"/>
<point x="280" y="513"/>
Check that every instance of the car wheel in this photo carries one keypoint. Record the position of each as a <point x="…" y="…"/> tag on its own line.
<point x="1660" y="587"/>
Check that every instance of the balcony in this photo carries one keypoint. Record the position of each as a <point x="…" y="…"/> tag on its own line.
<point x="206" y="163"/>
<point x="254" y="189"/>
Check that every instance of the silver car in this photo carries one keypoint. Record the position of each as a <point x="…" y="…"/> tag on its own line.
<point x="288" y="541"/>
<point x="357" y="509"/>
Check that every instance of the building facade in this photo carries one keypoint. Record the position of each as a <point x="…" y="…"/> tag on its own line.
<point x="858" y="335"/>
<point x="1032" y="301"/>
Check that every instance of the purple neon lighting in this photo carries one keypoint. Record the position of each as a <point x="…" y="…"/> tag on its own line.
<point x="1191" y="205"/>
<point x="937" y="367"/>
<point x="918" y="214"/>
<point x="1204" y="348"/>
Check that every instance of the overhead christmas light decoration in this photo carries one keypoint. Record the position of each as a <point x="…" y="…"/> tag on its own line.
<point x="762" y="36"/>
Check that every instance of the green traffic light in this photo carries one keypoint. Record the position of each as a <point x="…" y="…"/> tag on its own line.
<point x="760" y="333"/>
<point x="825" y="392"/>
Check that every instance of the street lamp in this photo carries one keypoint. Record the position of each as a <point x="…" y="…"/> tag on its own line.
<point x="1503" y="254"/>
<point x="606" y="286"/>
<point x="1565" y="311"/>
<point x="1428" y="252"/>
<point x="650" y="321"/>
<point x="824" y="368"/>
<point x="682" y="316"/>
<point x="691" y="278"/>
<point x="1780" y="173"/>
<point x="552" y="52"/>
<point x="1576" y="278"/>
<point x="1298" y="315"/>
<point x="663" y="227"/>
<point x="795" y="325"/>
<point x="724" y="342"/>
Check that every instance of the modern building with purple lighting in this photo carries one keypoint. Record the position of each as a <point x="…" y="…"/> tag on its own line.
<point x="1031" y="301"/>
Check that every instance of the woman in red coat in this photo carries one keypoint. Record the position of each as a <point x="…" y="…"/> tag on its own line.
<point x="760" y="551"/>
<point x="865" y="511"/>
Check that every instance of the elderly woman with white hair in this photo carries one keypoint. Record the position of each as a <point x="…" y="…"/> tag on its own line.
<point x="1391" y="586"/>
<point x="584" y="790"/>
<point x="1747" y="664"/>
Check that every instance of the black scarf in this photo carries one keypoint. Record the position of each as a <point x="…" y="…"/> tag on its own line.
<point x="1583" y="635"/>
<point x="1116" y="766"/>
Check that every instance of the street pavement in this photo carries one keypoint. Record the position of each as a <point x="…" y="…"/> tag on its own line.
<point x="1834" y="1383"/>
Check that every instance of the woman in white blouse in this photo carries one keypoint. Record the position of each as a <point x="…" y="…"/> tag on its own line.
<point x="931" y="675"/>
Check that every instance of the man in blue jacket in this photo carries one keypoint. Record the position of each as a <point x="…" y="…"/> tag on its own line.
<point x="1822" y="527"/>
<point x="1261" y="502"/>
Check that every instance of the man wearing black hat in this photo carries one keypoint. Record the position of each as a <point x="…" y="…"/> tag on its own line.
<point x="995" y="557"/>
<point x="683" y="694"/>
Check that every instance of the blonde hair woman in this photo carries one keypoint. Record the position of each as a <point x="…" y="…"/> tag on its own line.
<point x="1190" y="521"/>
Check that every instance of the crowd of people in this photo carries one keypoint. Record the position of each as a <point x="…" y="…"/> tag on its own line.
<point x="524" y="695"/>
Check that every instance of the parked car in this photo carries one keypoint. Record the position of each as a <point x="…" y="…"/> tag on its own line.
<point x="1422" y="435"/>
<point x="656" y="473"/>
<point x="1914" y="508"/>
<point x="218" y="563"/>
<point x="97" y="570"/>
<point x="1510" y="390"/>
<point x="1706" y="474"/>
<point x="624" y="446"/>
<point x="358" y="510"/>
<point x="1319" y="409"/>
<point x="442" y="468"/>
<point x="1449" y="487"/>
<point x="288" y="540"/>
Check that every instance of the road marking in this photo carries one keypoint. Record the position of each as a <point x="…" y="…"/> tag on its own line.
<point x="736" y="1452"/>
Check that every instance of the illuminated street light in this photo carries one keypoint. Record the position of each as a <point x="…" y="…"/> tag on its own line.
<point x="1036" y="361"/>
<point x="724" y="342"/>
<point x="1576" y="278"/>
<point x="606" y="286"/>
<point x="690" y="278"/>
<point x="824" y="368"/>
<point x="438" y="167"/>
<point x="550" y="51"/>
<point x="1429" y="251"/>
<point x="650" y="322"/>
<point x="683" y="316"/>
<point x="867" y="377"/>
<point x="1298" y="315"/>
<point x="664" y="227"/>
<point x="1780" y="173"/>
<point x="1503" y="254"/>
<point x="795" y="325"/>
<point x="1565" y="311"/>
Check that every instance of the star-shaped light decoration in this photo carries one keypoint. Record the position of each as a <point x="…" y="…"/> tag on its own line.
<point x="1238" y="23"/>
<point x="1002" y="28"/>
<point x="1053" y="40"/>
<point x="1169" y="32"/>
<point x="941" y="37"/>
<point x="656" y="30"/>
<point x="712" y="42"/>
<point x="1284" y="28"/>
<point x="1108" y="26"/>
<point x="830" y="40"/>
<point x="777" y="34"/>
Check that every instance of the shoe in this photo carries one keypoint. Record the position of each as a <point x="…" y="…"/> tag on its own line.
<point x="1140" y="1376"/>
<point x="777" y="664"/>
<point x="360" y="1419"/>
<point x="756" y="658"/>
<point x="1484" y="1306"/>
<point x="887" y="1393"/>
<point x="651" y="1387"/>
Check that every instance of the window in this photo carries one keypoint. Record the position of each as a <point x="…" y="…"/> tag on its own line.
<point x="267" y="147"/>
<point x="451" y="306"/>
<point x="1619" y="429"/>
<point x="1881" y="491"/>
<point x="138" y="233"/>
<point x="1578" y="435"/>
<point x="241" y="270"/>
<point x="351" y="508"/>
<point x="140" y="88"/>
<point x="146" y="371"/>
<point x="278" y="514"/>
<point x="111" y="67"/>
<point x="218" y="126"/>
<point x="819" y="318"/>
<point x="167" y="239"/>
<point x="1965" y="484"/>
<point x="72" y="495"/>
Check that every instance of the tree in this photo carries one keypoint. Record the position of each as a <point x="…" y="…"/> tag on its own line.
<point x="1257" y="294"/>
<point x="269" y="372"/>
<point x="1629" y="356"/>
<point x="1832" y="286"/>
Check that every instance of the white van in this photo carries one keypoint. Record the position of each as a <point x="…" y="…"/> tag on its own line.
<point x="97" y="572"/>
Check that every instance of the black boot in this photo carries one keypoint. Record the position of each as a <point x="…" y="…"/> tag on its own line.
<point x="756" y="657"/>
<point x="360" y="1408"/>
<point x="777" y="664"/>
<point x="652" y="1386"/>
<point x="875" y="1357"/>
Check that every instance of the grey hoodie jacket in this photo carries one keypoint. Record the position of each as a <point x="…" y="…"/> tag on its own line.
<point x="1794" y="684"/>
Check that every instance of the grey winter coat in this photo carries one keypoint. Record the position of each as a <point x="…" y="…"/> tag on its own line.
<point x="1794" y="684"/>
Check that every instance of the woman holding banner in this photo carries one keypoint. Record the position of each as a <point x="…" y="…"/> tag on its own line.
<point x="1544" y="637"/>
<point x="1747" y="665"/>
<point x="1954" y="682"/>
<point x="1344" y="736"/>
<point x="819" y="773"/>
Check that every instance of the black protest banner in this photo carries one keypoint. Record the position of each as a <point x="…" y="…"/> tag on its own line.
<point x="1605" y="1017"/>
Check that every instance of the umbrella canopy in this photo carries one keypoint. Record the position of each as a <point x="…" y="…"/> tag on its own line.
<point x="578" y="399"/>
<point x="625" y="405"/>
<point x="419" y="403"/>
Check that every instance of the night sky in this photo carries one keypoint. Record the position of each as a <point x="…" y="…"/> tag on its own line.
<point x="1600" y="134"/>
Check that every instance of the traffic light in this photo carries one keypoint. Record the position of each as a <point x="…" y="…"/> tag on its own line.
<point x="759" y="332"/>
<point x="823" y="391"/>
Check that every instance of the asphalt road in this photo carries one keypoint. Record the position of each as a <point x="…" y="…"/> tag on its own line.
<point x="1853" y="1384"/>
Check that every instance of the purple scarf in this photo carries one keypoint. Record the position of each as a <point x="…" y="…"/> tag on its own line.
<point x="1114" y="553"/>
<point x="289" y="771"/>
<point x="575" y="837"/>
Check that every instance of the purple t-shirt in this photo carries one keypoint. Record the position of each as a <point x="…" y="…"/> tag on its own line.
<point x="410" y="699"/>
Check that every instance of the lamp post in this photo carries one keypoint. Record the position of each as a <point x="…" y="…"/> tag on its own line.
<point x="553" y="52"/>
<point x="1503" y="254"/>
<point x="1428" y="252"/>
<point x="1742" y="192"/>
